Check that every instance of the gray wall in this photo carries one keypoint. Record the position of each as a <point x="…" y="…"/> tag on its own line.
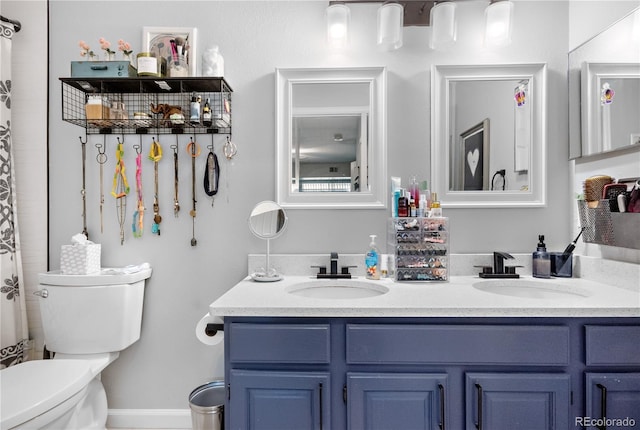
<point x="255" y="38"/>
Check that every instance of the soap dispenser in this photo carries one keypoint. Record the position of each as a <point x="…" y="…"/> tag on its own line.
<point x="541" y="267"/>
<point x="372" y="260"/>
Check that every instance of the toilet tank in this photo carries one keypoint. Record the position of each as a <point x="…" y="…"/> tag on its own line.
<point x="90" y="314"/>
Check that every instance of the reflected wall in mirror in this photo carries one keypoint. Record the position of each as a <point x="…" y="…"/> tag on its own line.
<point x="611" y="56"/>
<point x="330" y="137"/>
<point x="267" y="221"/>
<point x="610" y="106"/>
<point x="488" y="141"/>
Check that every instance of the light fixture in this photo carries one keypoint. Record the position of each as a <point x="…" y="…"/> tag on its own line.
<point x="498" y="23"/>
<point x="443" y="25"/>
<point x="390" y="23"/>
<point x="338" y="16"/>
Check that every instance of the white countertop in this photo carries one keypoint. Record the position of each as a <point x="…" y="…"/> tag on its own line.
<point x="456" y="298"/>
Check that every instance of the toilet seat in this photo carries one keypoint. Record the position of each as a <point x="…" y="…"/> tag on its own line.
<point x="43" y="385"/>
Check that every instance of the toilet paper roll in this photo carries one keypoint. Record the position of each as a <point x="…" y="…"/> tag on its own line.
<point x="202" y="325"/>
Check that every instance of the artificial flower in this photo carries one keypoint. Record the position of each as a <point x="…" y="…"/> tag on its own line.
<point x="105" y="45"/>
<point x="124" y="47"/>
<point x="85" y="50"/>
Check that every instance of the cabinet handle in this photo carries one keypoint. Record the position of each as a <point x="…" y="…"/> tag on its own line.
<point x="479" y="423"/>
<point x="320" y="393"/>
<point x="98" y="67"/>
<point x="603" y="405"/>
<point x="442" y="408"/>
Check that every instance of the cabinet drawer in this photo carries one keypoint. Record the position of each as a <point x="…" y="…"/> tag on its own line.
<point x="612" y="345"/>
<point x="279" y="343"/>
<point x="459" y="344"/>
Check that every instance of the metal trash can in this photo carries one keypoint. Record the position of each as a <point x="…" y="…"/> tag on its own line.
<point x="207" y="406"/>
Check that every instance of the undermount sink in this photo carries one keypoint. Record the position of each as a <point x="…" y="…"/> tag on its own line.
<point x="531" y="289"/>
<point x="337" y="289"/>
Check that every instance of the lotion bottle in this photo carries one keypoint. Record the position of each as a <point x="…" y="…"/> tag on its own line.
<point x="372" y="260"/>
<point x="541" y="267"/>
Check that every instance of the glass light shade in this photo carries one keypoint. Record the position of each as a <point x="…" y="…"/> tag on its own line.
<point x="498" y="23"/>
<point x="338" y="16"/>
<point x="443" y="24"/>
<point x="390" y="22"/>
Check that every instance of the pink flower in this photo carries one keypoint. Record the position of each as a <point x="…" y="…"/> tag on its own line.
<point x="105" y="45"/>
<point x="85" y="49"/>
<point x="125" y="47"/>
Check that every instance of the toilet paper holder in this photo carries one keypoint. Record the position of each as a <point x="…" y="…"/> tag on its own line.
<point x="212" y="329"/>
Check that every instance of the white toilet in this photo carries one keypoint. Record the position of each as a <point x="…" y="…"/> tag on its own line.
<point x="87" y="321"/>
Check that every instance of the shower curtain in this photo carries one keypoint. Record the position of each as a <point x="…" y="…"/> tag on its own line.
<point x="12" y="307"/>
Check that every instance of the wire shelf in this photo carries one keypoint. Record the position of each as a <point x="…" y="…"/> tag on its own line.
<point x="137" y="96"/>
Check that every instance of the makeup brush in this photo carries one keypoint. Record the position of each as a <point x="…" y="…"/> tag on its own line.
<point x="569" y="249"/>
<point x="593" y="187"/>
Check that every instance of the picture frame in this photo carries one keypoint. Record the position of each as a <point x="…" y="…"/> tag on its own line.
<point x="475" y="152"/>
<point x="157" y="40"/>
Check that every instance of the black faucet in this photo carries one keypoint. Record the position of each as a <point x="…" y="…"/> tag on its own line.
<point x="499" y="270"/>
<point x="322" y="270"/>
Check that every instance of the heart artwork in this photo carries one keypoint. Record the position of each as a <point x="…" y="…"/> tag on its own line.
<point x="472" y="159"/>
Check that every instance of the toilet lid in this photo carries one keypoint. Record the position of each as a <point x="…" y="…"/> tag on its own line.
<point x="32" y="388"/>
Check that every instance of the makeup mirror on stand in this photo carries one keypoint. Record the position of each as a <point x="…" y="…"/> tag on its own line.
<point x="267" y="221"/>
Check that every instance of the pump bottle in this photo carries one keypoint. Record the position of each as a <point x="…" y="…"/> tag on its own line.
<point x="541" y="267"/>
<point x="372" y="260"/>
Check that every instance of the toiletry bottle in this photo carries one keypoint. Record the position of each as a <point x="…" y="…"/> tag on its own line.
<point x="403" y="205"/>
<point x="194" y="110"/>
<point x="206" y="114"/>
<point x="436" y="210"/>
<point x="413" y="211"/>
<point x="414" y="189"/>
<point x="372" y="259"/>
<point x="424" y="191"/>
<point x="541" y="267"/>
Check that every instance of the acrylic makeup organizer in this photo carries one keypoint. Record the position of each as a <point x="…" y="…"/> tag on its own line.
<point x="604" y="227"/>
<point x="421" y="248"/>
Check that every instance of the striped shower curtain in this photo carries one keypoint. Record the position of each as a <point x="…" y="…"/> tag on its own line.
<point x="12" y="307"/>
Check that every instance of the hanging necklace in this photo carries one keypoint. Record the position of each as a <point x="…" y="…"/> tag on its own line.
<point x="101" y="158"/>
<point x="138" y="216"/>
<point x="155" y="155"/>
<point x="83" y="192"/>
<point x="120" y="188"/>
<point x="193" y="149"/>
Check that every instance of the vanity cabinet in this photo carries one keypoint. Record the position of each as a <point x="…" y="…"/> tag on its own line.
<point x="429" y="373"/>
<point x="613" y="395"/>
<point x="123" y="105"/>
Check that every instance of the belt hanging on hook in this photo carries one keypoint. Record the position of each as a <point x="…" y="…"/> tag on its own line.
<point x="193" y="149"/>
<point x="83" y="191"/>
<point x="211" y="173"/>
<point x="101" y="158"/>
<point x="155" y="155"/>
<point x="137" y="226"/>
<point x="120" y="187"/>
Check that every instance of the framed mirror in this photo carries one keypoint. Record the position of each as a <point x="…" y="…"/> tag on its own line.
<point x="488" y="135"/>
<point x="331" y="138"/>
<point x="599" y="123"/>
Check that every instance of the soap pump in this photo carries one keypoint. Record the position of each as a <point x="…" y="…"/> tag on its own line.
<point x="541" y="267"/>
<point x="372" y="260"/>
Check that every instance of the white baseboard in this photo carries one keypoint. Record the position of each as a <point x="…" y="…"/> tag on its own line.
<point x="149" y="419"/>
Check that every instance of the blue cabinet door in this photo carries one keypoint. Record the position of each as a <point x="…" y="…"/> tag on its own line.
<point x="407" y="401"/>
<point x="522" y="401"/>
<point x="270" y="400"/>
<point x="612" y="400"/>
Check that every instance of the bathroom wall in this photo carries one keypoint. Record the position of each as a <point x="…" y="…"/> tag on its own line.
<point x="159" y="371"/>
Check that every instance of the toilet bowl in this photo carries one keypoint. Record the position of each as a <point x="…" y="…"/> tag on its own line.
<point x="86" y="320"/>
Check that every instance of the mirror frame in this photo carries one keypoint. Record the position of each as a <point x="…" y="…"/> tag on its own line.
<point x="376" y="197"/>
<point x="441" y="77"/>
